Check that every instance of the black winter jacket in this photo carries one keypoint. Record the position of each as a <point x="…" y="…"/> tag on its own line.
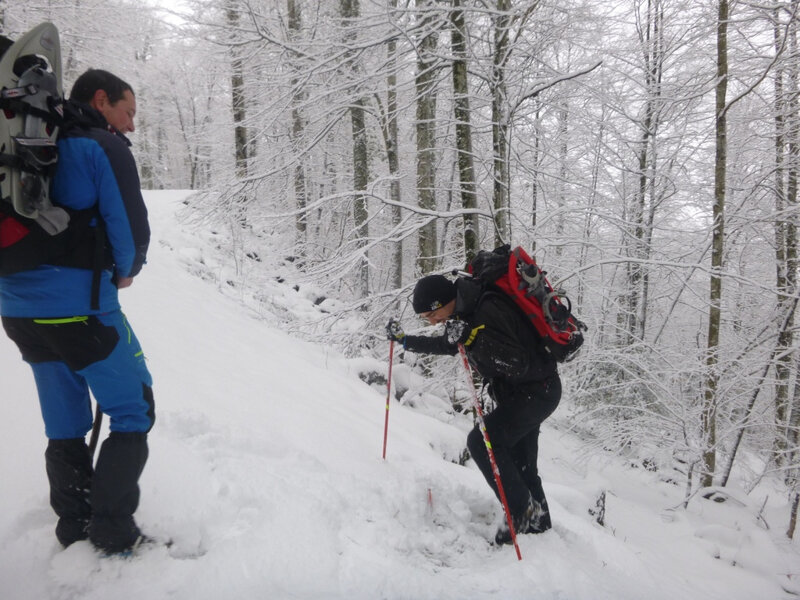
<point x="506" y="349"/>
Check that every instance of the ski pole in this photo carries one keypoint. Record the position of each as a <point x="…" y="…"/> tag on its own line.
<point x="495" y="470"/>
<point x="388" y="396"/>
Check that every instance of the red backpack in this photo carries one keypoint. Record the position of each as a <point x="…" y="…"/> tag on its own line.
<point x="517" y="276"/>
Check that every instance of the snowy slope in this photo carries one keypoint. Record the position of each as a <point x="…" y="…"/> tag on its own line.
<point x="266" y="472"/>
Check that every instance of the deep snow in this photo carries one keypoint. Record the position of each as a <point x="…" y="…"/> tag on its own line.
<point x="266" y="471"/>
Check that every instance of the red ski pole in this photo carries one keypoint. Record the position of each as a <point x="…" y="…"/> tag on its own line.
<point x="388" y="396"/>
<point x="495" y="471"/>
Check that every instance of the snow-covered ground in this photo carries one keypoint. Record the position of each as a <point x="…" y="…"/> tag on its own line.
<point x="266" y="471"/>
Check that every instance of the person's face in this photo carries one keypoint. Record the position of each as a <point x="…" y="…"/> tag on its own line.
<point x="440" y="315"/>
<point x="120" y="114"/>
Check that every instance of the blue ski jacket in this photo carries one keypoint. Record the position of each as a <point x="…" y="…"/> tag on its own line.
<point x="95" y="169"/>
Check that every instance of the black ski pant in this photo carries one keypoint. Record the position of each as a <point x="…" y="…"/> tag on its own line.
<point x="513" y="429"/>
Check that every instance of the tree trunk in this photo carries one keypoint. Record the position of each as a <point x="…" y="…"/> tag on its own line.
<point x="536" y="160"/>
<point x="294" y="24"/>
<point x="589" y="217"/>
<point x="642" y="211"/>
<point x="461" y="111"/>
<point x="350" y="11"/>
<point x="792" y="419"/>
<point x="563" y="154"/>
<point x="146" y="162"/>
<point x="360" y="182"/>
<point x="783" y="369"/>
<point x="793" y="473"/>
<point x="502" y="22"/>
<point x="795" y="504"/>
<point x="393" y="155"/>
<point x="426" y="139"/>
<point x="238" y="97"/>
<point x="708" y="421"/>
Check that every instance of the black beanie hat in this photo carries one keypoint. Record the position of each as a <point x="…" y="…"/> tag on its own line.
<point x="432" y="292"/>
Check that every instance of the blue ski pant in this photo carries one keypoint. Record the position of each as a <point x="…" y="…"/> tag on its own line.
<point x="73" y="355"/>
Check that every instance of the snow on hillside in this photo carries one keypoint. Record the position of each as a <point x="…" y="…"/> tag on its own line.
<point x="266" y="471"/>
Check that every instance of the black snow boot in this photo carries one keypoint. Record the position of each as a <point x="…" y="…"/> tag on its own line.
<point x="522" y="523"/>
<point x="540" y="517"/>
<point x="115" y="492"/>
<point x="69" y="471"/>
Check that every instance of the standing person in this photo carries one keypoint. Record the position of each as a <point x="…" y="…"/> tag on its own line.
<point x="507" y="352"/>
<point x="67" y="322"/>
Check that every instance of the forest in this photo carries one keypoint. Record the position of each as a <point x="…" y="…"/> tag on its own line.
<point x="645" y="151"/>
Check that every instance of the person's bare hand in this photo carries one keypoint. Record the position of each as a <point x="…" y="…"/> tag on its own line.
<point x="123" y="282"/>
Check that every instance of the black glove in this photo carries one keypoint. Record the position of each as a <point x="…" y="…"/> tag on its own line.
<point x="457" y="331"/>
<point x="394" y="331"/>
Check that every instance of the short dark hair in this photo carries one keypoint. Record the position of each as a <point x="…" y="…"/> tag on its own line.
<point x="98" y="79"/>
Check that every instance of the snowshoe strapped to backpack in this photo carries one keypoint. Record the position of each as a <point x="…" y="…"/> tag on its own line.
<point x="517" y="276"/>
<point x="31" y="100"/>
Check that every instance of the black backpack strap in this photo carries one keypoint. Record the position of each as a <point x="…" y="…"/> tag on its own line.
<point x="98" y="261"/>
